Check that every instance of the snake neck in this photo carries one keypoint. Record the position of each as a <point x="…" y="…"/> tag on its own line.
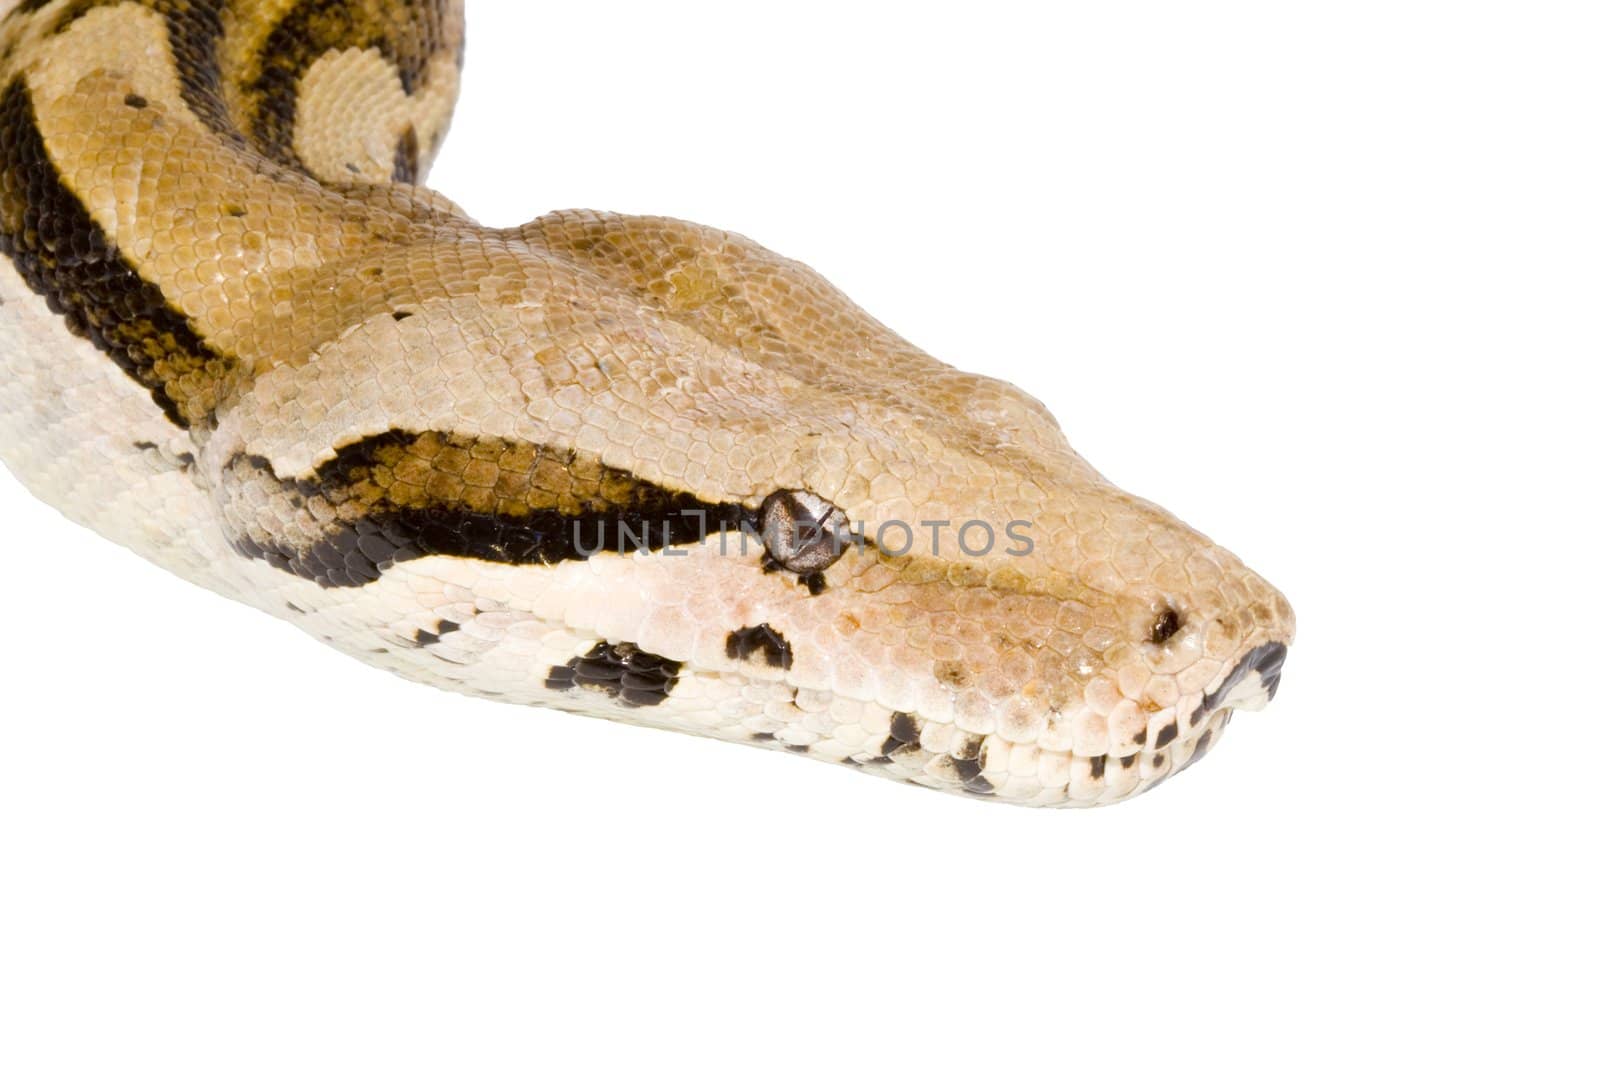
<point x="276" y="140"/>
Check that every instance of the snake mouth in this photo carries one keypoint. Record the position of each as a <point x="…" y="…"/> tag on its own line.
<point x="1252" y="682"/>
<point x="1249" y="686"/>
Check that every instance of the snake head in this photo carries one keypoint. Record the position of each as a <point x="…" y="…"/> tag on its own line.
<point x="691" y="485"/>
<point x="926" y="581"/>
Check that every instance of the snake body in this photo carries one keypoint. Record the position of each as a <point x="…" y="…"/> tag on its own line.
<point x="626" y="467"/>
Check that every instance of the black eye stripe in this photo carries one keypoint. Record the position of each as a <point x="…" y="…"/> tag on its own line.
<point x="371" y="506"/>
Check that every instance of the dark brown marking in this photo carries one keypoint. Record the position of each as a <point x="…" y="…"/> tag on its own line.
<point x="65" y="257"/>
<point x="1097" y="767"/>
<point x="1168" y="734"/>
<point x="426" y="638"/>
<point x="904" y="732"/>
<point x="967" y="758"/>
<point x="967" y="769"/>
<point x="135" y="101"/>
<point x="408" y="158"/>
<point x="742" y="644"/>
<point x="904" y="728"/>
<point x="402" y="496"/>
<point x="623" y="672"/>
<point x="978" y="784"/>
<point x="194" y="36"/>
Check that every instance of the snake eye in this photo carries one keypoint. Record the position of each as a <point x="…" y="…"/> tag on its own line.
<point x="803" y="533"/>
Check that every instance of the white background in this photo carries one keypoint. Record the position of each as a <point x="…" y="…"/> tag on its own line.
<point x="1320" y="278"/>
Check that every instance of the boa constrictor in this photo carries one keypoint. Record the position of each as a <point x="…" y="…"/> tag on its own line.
<point x="628" y="467"/>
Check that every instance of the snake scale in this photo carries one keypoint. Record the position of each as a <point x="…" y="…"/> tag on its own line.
<point x="626" y="467"/>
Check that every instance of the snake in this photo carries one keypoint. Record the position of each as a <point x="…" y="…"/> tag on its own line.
<point x="625" y="467"/>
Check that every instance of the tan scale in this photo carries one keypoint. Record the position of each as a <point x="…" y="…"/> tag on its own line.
<point x="379" y="415"/>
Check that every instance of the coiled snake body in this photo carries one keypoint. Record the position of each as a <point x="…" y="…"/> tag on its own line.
<point x="629" y="467"/>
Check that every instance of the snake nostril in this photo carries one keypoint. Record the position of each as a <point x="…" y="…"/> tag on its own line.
<point x="1166" y="624"/>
